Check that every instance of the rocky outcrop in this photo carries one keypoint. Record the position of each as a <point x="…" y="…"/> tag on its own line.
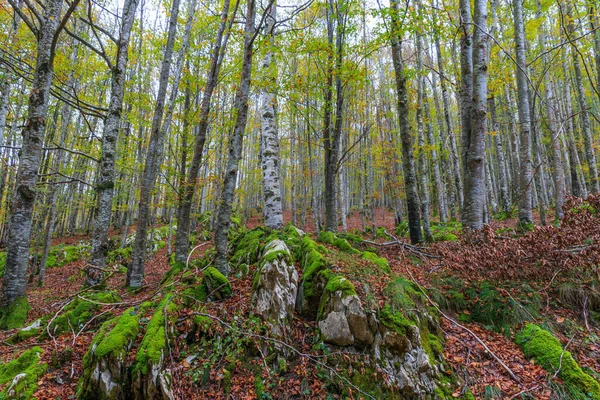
<point x="401" y="339"/>
<point x="106" y="372"/>
<point x="275" y="285"/>
<point x="342" y="318"/>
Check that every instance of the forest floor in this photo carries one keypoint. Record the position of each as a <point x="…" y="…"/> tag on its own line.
<point x="538" y="268"/>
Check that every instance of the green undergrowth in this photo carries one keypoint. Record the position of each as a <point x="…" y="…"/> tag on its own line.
<point x="15" y="314"/>
<point x="80" y="311"/>
<point x="27" y="363"/>
<point x="499" y="307"/>
<point x="548" y="352"/>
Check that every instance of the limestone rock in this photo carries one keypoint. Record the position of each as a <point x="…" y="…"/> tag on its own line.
<point x="275" y="284"/>
<point x="342" y="319"/>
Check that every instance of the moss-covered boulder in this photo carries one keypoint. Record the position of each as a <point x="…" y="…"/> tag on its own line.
<point x="408" y="343"/>
<point x="150" y="377"/>
<point x="105" y="370"/>
<point x="215" y="284"/>
<point x="342" y="319"/>
<point x="275" y="285"/>
<point x="541" y="345"/>
<point x="20" y="375"/>
<point x="311" y="258"/>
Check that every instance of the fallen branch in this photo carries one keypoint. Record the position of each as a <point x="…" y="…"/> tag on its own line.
<point x="397" y="242"/>
<point x="452" y="320"/>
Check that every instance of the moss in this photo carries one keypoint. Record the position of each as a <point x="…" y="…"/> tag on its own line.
<point x="395" y="320"/>
<point x="27" y="363"/>
<point x="153" y="344"/>
<point x="23" y="335"/>
<point x="248" y="246"/>
<point x="216" y="283"/>
<point x="352" y="238"/>
<point x="339" y="282"/>
<point x="381" y="262"/>
<point x="15" y="315"/>
<point x="404" y="295"/>
<point x="541" y="345"/>
<point x="326" y="237"/>
<point x="345" y="246"/>
<point x="80" y="311"/>
<point x="119" y="255"/>
<point x="124" y="332"/>
<point x="176" y="268"/>
<point x="2" y="262"/>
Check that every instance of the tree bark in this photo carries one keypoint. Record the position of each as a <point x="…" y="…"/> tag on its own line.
<point x="408" y="158"/>
<point x="235" y="145"/>
<point x="185" y="207"/>
<point x="135" y="273"/>
<point x="269" y="146"/>
<point x="106" y="170"/>
<point x="526" y="175"/>
<point x="23" y="199"/>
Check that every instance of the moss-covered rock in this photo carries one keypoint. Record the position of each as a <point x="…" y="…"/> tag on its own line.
<point x="150" y="379"/>
<point x="546" y="349"/>
<point x="216" y="284"/>
<point x="22" y="374"/>
<point x="105" y="373"/>
<point x="15" y="315"/>
<point x="248" y="246"/>
<point x="275" y="285"/>
<point x="313" y="263"/>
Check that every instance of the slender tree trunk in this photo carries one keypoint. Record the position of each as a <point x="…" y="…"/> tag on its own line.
<point x="583" y="114"/>
<point x="449" y="133"/>
<point x="526" y="177"/>
<point x="408" y="158"/>
<point x="135" y="273"/>
<point x="502" y="175"/>
<point x="422" y="160"/>
<point x="185" y="207"/>
<point x="106" y="171"/>
<point x="19" y="228"/>
<point x="474" y="137"/>
<point x="235" y="145"/>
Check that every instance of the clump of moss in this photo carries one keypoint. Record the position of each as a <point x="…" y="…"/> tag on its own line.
<point x="247" y="247"/>
<point x="81" y="311"/>
<point x="541" y="345"/>
<point x="27" y="363"/>
<point x="176" y="268"/>
<point x="340" y="283"/>
<point x="15" y="315"/>
<point x="2" y="262"/>
<point x="340" y="243"/>
<point x="120" y="255"/>
<point x="124" y="332"/>
<point x="216" y="284"/>
<point x="381" y="262"/>
<point x="152" y="347"/>
<point x="395" y="320"/>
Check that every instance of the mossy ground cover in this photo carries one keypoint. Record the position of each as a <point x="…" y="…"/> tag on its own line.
<point x="27" y="363"/>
